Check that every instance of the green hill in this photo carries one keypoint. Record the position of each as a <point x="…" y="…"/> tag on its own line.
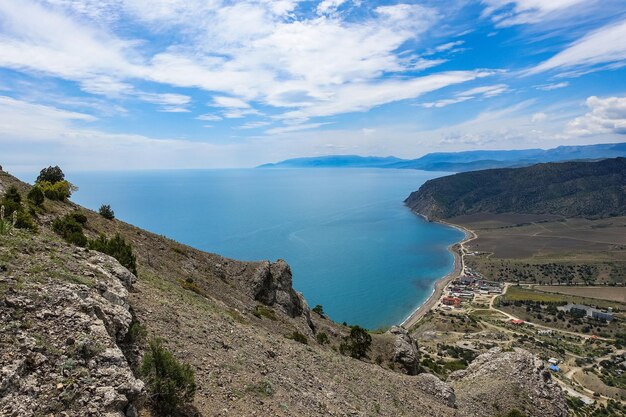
<point x="570" y="189"/>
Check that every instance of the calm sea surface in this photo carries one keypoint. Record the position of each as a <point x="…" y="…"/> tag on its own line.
<point x="352" y="244"/>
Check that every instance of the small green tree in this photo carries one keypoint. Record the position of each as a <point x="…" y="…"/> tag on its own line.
<point x="170" y="383"/>
<point x="51" y="175"/>
<point x="319" y="310"/>
<point x="107" y="212"/>
<point x="14" y="213"/>
<point x="12" y="201"/>
<point x="117" y="248"/>
<point x="36" y="196"/>
<point x="357" y="343"/>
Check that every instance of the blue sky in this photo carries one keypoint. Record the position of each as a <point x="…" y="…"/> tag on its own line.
<point x="144" y="84"/>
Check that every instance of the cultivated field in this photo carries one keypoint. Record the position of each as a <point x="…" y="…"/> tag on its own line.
<point x="546" y="249"/>
<point x="603" y="293"/>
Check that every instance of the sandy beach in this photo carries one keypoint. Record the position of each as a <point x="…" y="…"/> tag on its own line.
<point x="441" y="284"/>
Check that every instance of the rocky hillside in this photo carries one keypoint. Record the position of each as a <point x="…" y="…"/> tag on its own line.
<point x="569" y="189"/>
<point x="73" y="322"/>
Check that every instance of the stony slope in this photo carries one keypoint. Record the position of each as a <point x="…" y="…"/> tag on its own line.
<point x="228" y="319"/>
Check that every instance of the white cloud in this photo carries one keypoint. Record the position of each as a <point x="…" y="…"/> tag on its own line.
<point x="254" y="125"/>
<point x="209" y="117"/>
<point x="293" y="128"/>
<point x="362" y="97"/>
<point x="173" y="103"/>
<point x="514" y="12"/>
<point x="539" y="117"/>
<point x="329" y="6"/>
<point x="486" y="91"/>
<point x="230" y="102"/>
<point x="606" y="115"/>
<point x="602" y="46"/>
<point x="446" y="102"/>
<point x="251" y="50"/>
<point x="550" y="87"/>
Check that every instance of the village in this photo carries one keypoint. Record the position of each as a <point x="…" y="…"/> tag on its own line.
<point x="579" y="342"/>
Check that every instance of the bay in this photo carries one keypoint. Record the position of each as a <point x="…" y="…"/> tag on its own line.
<point x="352" y="244"/>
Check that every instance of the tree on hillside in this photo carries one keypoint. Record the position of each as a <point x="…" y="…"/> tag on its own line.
<point x="170" y="383"/>
<point x="357" y="343"/>
<point x="107" y="212"/>
<point x="51" y="175"/>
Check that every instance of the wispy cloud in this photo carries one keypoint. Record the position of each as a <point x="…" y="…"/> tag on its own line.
<point x="554" y="86"/>
<point x="602" y="46"/>
<point x="486" y="91"/>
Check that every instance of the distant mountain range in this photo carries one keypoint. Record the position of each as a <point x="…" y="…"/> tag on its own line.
<point x="570" y="189"/>
<point x="461" y="161"/>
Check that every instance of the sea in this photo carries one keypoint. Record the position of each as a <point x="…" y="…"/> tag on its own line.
<point x="352" y="244"/>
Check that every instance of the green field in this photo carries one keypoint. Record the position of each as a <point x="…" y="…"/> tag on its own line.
<point x="515" y="293"/>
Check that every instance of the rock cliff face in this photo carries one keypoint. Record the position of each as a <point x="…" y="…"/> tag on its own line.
<point x="59" y="339"/>
<point x="271" y="284"/>
<point x="499" y="381"/>
<point x="406" y="353"/>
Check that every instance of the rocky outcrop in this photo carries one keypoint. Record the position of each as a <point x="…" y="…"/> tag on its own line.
<point x="271" y="284"/>
<point x="58" y="344"/>
<point x="497" y="382"/>
<point x="434" y="386"/>
<point x="406" y="353"/>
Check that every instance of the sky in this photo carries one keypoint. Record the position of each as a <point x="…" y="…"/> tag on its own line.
<point x="169" y="84"/>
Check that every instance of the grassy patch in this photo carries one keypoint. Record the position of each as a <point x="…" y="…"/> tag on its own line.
<point x="262" y="311"/>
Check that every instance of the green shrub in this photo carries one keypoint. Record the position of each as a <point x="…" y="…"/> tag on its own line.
<point x="23" y="220"/>
<point x="14" y="213"/>
<point x="36" y="196"/>
<point x="170" y="383"/>
<point x="319" y="310"/>
<point x="322" y="338"/>
<point x="70" y="230"/>
<point x="59" y="191"/>
<point x="262" y="311"/>
<point x="136" y="333"/>
<point x="298" y="337"/>
<point x="107" y="212"/>
<point x="79" y="217"/>
<point x="117" y="248"/>
<point x="357" y="343"/>
<point x="51" y="175"/>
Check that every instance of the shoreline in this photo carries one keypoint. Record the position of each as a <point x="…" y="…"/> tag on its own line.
<point x="443" y="282"/>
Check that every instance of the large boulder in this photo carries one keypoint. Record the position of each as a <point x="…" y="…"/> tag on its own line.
<point x="271" y="284"/>
<point x="406" y="353"/>
<point x="497" y="382"/>
<point x="434" y="386"/>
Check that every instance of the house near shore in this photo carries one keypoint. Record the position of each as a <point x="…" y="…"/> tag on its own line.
<point x="451" y="301"/>
<point x="517" y="322"/>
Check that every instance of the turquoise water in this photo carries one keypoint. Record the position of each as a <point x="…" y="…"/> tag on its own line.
<point x="352" y="244"/>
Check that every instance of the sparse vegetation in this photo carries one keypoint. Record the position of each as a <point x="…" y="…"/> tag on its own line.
<point x="107" y="212"/>
<point x="319" y="310"/>
<point x="357" y="343"/>
<point x="298" y="337"/>
<point x="262" y="311"/>
<point x="117" y="248"/>
<point x="322" y="338"/>
<point x="170" y="382"/>
<point x="36" y="196"/>
<point x="71" y="229"/>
